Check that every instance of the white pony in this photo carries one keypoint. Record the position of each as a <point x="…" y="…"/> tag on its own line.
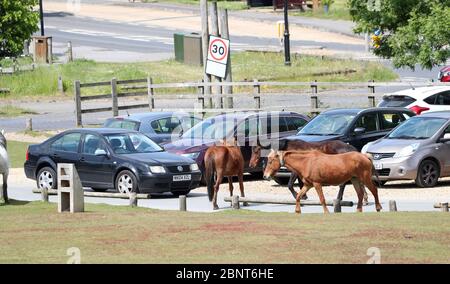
<point x="4" y="167"/>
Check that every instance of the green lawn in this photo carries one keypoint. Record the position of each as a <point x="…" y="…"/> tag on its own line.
<point x="230" y="5"/>
<point x="16" y="153"/>
<point x="35" y="233"/>
<point x="11" y="111"/>
<point x="338" y="11"/>
<point x="246" y="66"/>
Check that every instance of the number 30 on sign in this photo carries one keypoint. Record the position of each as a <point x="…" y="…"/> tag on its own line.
<point x="217" y="60"/>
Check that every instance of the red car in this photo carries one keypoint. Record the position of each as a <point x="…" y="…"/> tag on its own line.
<point x="444" y="74"/>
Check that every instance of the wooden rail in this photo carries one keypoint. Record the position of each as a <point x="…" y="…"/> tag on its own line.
<point x="286" y="201"/>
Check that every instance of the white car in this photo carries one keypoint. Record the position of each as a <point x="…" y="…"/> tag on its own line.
<point x="419" y="100"/>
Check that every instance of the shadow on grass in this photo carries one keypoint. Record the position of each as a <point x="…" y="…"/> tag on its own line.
<point x="14" y="202"/>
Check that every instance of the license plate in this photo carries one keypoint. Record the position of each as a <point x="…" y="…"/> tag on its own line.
<point x="181" y="177"/>
<point x="378" y="166"/>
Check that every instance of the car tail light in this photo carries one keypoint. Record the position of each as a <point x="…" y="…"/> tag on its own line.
<point x="26" y="156"/>
<point x="418" y="109"/>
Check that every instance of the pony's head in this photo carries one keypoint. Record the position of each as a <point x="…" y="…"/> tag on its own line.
<point x="274" y="163"/>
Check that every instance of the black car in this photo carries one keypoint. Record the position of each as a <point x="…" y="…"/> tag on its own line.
<point x="112" y="158"/>
<point x="356" y="127"/>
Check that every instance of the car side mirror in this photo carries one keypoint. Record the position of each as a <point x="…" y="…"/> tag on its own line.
<point x="445" y="138"/>
<point x="101" y="152"/>
<point x="300" y="128"/>
<point x="359" y="130"/>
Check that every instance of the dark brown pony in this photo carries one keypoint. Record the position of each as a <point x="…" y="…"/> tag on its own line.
<point x="317" y="169"/>
<point x="221" y="161"/>
<point x="327" y="147"/>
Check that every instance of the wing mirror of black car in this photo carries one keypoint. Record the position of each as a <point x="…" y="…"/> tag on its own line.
<point x="101" y="152"/>
<point x="445" y="138"/>
<point x="359" y="130"/>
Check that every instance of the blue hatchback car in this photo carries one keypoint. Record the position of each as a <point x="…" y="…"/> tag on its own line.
<point x="161" y="127"/>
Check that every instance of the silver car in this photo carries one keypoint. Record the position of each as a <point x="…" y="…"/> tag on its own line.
<point x="418" y="149"/>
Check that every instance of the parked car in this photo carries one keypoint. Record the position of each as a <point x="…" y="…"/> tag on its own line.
<point x="247" y="126"/>
<point x="419" y="100"/>
<point x="356" y="127"/>
<point x="418" y="149"/>
<point x="444" y="74"/>
<point x="161" y="127"/>
<point x="120" y="159"/>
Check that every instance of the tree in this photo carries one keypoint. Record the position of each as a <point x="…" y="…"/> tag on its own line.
<point x="18" y="21"/>
<point x="412" y="31"/>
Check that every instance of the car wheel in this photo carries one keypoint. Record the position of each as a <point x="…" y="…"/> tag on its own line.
<point x="181" y="192"/>
<point x="281" y="180"/>
<point x="46" y="178"/>
<point x="257" y="175"/>
<point x="428" y="174"/>
<point x="379" y="183"/>
<point x="99" y="189"/>
<point x="126" y="182"/>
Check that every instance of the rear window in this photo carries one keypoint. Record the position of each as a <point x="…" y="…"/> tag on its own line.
<point x="122" y="123"/>
<point x="396" y="101"/>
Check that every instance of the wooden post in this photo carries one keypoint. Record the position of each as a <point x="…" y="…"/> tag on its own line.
<point x="69" y="52"/>
<point x="201" y="99"/>
<point x="444" y="207"/>
<point x="223" y="13"/>
<point x="314" y="99"/>
<point x="205" y="40"/>
<point x="337" y="206"/>
<point x="256" y="93"/>
<point x="371" y="101"/>
<point x="133" y="199"/>
<point x="371" y="87"/>
<point x="392" y="206"/>
<point x="44" y="194"/>
<point x="215" y="32"/>
<point x="78" y="103"/>
<point x="315" y="5"/>
<point x="50" y="50"/>
<point x="150" y="91"/>
<point x="29" y="124"/>
<point x="60" y="85"/>
<point x="115" y="101"/>
<point x="183" y="203"/>
<point x="235" y="202"/>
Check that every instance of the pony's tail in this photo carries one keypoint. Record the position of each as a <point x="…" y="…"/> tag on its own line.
<point x="374" y="171"/>
<point x="209" y="174"/>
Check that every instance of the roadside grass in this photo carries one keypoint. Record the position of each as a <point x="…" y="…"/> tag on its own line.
<point x="230" y="5"/>
<point x="16" y="153"/>
<point x="11" y="111"/>
<point x="339" y="10"/>
<point x="36" y="233"/>
<point x="9" y="62"/>
<point x="263" y="66"/>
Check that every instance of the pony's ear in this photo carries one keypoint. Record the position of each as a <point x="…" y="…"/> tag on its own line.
<point x="3" y="131"/>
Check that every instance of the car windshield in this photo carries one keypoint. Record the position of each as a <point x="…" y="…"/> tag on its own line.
<point x="211" y="129"/>
<point x="327" y="124"/>
<point x="121" y="123"/>
<point x="417" y="128"/>
<point x="131" y="143"/>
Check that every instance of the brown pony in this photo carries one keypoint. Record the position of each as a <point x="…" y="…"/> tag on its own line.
<point x="327" y="147"/>
<point x="223" y="161"/>
<point x="317" y="169"/>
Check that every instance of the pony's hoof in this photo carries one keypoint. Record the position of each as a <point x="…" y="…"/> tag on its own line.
<point x="305" y="197"/>
<point x="215" y="207"/>
<point x="245" y="204"/>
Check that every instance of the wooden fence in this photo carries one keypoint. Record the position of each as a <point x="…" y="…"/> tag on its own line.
<point x="204" y="100"/>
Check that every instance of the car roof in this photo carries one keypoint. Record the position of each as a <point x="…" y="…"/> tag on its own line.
<point x="421" y="91"/>
<point x="148" y="115"/>
<point x="439" y="114"/>
<point x="243" y="115"/>
<point x="101" y="131"/>
<point x="356" y="111"/>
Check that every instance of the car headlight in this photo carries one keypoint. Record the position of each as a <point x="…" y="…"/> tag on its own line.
<point x="407" y="151"/>
<point x="157" y="169"/>
<point x="192" y="156"/>
<point x="194" y="167"/>
<point x="364" y="149"/>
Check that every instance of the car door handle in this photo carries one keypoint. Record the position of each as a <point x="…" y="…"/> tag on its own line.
<point x="55" y="155"/>
<point x="82" y="159"/>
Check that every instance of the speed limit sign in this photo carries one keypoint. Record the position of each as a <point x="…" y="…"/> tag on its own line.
<point x="217" y="60"/>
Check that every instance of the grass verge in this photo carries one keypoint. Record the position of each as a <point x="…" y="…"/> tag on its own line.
<point x="338" y="11"/>
<point x="16" y="153"/>
<point x="245" y="65"/>
<point x="230" y="5"/>
<point x="35" y="233"/>
<point x="11" y="111"/>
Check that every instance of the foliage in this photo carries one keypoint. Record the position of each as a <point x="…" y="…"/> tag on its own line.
<point x="413" y="31"/>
